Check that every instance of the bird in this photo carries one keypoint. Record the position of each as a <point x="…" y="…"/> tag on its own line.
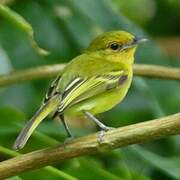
<point x="91" y="83"/>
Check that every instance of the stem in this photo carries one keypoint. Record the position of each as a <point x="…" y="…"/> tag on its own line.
<point x="120" y="137"/>
<point x="48" y="71"/>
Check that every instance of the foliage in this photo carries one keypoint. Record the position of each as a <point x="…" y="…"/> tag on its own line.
<point x="64" y="28"/>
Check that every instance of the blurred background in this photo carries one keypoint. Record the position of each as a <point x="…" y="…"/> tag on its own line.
<point x="65" y="28"/>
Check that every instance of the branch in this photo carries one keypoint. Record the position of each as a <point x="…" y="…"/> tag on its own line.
<point x="156" y="71"/>
<point x="116" y="138"/>
<point x="31" y="74"/>
<point x="48" y="71"/>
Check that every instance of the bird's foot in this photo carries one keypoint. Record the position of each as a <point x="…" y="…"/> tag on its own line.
<point x="67" y="140"/>
<point x="100" y="137"/>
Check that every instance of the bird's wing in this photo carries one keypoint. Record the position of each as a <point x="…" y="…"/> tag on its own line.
<point x="81" y="88"/>
<point x="52" y="90"/>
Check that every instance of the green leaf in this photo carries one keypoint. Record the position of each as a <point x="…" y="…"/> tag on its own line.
<point x="168" y="165"/>
<point x="14" y="178"/>
<point x="5" y="62"/>
<point x="11" y="122"/>
<point x="22" y="24"/>
<point x="94" y="169"/>
<point x="10" y="116"/>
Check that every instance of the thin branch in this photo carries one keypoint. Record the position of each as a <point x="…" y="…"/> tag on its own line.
<point x="156" y="71"/>
<point x="116" y="138"/>
<point x="31" y="74"/>
<point x="48" y="71"/>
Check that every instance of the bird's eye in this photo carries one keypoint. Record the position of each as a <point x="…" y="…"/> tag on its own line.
<point x="114" y="46"/>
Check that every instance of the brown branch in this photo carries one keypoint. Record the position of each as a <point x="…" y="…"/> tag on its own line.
<point x="40" y="72"/>
<point x="156" y="71"/>
<point x="48" y="71"/>
<point x="120" y="137"/>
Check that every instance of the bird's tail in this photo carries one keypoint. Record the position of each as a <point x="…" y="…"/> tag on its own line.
<point x="43" y="112"/>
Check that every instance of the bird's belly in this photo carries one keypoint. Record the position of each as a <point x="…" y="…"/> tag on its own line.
<point x="99" y="103"/>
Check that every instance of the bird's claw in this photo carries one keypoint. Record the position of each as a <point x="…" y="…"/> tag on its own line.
<point x="102" y="133"/>
<point x="67" y="140"/>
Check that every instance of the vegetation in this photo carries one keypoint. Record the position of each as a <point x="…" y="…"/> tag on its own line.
<point x="64" y="28"/>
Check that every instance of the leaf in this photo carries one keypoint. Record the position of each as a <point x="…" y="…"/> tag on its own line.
<point x="168" y="165"/>
<point x="22" y="24"/>
<point x="94" y="169"/>
<point x="8" y="117"/>
<point x="14" y="178"/>
<point x="5" y="62"/>
<point x="11" y="122"/>
<point x="118" y="165"/>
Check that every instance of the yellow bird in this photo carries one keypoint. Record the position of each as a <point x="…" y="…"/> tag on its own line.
<point x="91" y="83"/>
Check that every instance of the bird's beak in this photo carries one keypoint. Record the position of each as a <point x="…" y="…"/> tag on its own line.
<point x="134" y="43"/>
<point x="138" y="40"/>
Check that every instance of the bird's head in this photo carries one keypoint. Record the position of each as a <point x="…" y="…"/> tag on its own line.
<point x="115" y="44"/>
